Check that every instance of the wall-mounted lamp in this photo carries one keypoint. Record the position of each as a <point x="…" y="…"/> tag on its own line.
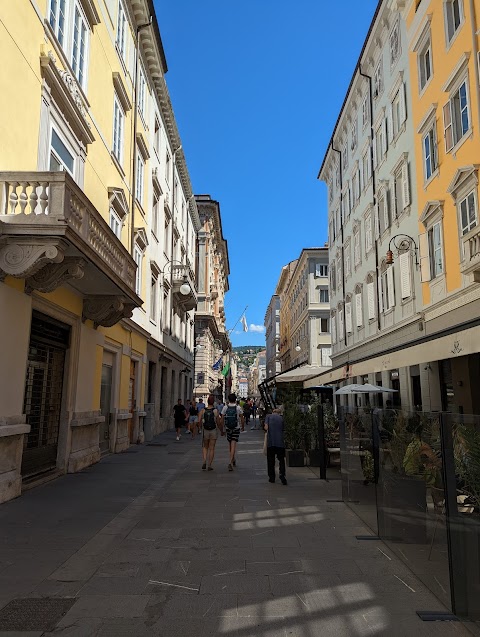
<point x="298" y="348"/>
<point x="402" y="242"/>
<point x="185" y="288"/>
<point x="428" y="368"/>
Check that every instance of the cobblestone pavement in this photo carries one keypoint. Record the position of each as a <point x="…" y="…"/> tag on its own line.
<point x="145" y="543"/>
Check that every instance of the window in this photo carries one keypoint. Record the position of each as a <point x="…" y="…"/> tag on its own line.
<point x="368" y="233"/>
<point x="357" y="253"/>
<point x="404" y="262"/>
<point x="115" y="223"/>
<point x="402" y="189"/>
<point x="430" y="162"/>
<point x="321" y="270"/>
<point x="384" y="219"/>
<point x="166" y="237"/>
<point x="398" y="113"/>
<point x="354" y="132"/>
<point x="435" y="250"/>
<point x="348" y="315"/>
<point x="142" y="88"/>
<point x="388" y="289"/>
<point x="378" y="79"/>
<point x="425" y="64"/>
<point x="139" y="179"/>
<point x="337" y="177"/>
<point x="339" y="270"/>
<point x="380" y="143"/>
<point x="358" y="307"/>
<point x="324" y="295"/>
<point x="333" y="320"/>
<point x="167" y="167"/>
<point x="371" y="297"/>
<point x="121" y="31"/>
<point x="453" y="17"/>
<point x="330" y="191"/>
<point x="61" y="157"/>
<point x="456" y="117"/>
<point x="155" y="212"/>
<point x="79" y="46"/>
<point x="365" y="109"/>
<point x="325" y="359"/>
<point x="138" y="256"/>
<point x="340" y="323"/>
<point x="157" y="136"/>
<point x="348" y="261"/>
<point x="345" y="157"/>
<point x="153" y="298"/>
<point x="333" y="278"/>
<point x="468" y="213"/>
<point x="366" y="167"/>
<point x="118" y="124"/>
<point x="395" y="46"/>
<point x="57" y="19"/>
<point x="324" y="326"/>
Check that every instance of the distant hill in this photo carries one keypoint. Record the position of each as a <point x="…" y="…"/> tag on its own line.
<point x="246" y="354"/>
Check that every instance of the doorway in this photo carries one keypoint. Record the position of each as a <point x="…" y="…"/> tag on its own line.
<point x="49" y="341"/>
<point x="105" y="408"/>
<point x="132" y="401"/>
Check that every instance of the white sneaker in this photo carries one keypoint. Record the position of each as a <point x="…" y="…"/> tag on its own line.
<point x="178" y="438"/>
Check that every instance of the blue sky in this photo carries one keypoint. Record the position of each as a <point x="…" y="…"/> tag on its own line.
<point x="256" y="87"/>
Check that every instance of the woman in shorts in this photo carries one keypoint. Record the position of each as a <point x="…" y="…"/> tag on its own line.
<point x="193" y="418"/>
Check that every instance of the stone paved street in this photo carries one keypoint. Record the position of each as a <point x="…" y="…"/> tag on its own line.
<point x="145" y="543"/>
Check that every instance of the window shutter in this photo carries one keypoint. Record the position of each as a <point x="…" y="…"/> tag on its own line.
<point x="391" y="288"/>
<point x="403" y="104"/>
<point x="393" y="199"/>
<point x="371" y="300"/>
<point x="425" y="272"/>
<point x="384" y="137"/>
<point x="380" y="294"/>
<point x="405" y="275"/>
<point x="334" y="328"/>
<point x="390" y="123"/>
<point x="358" y="309"/>
<point x="374" y="148"/>
<point x="405" y="185"/>
<point x="377" y="222"/>
<point x="317" y="269"/>
<point x="348" y="316"/>
<point x="447" y="126"/>
<point x="340" y="324"/>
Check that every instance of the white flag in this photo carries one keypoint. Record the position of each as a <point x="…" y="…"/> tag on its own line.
<point x="244" y="323"/>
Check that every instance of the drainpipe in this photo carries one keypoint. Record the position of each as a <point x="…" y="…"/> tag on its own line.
<point x="342" y="236"/>
<point x="134" y="137"/>
<point x="374" y="189"/>
<point x="473" y="21"/>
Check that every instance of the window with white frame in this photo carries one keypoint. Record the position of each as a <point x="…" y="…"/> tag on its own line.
<point x="380" y="143"/>
<point x="154" y="297"/>
<point x="365" y="109"/>
<point x="456" y="116"/>
<point x="435" y="250"/>
<point x="62" y="156"/>
<point x="371" y="297"/>
<point x="366" y="167"/>
<point x="69" y="24"/>
<point x="468" y="213"/>
<point x="348" y="259"/>
<point x="324" y="295"/>
<point x="345" y="156"/>
<point x="348" y="315"/>
<point x="368" y="233"/>
<point x="429" y="147"/>
<point x="333" y="327"/>
<point x="166" y="236"/>
<point x="424" y="61"/>
<point x="378" y="79"/>
<point x="118" y="127"/>
<point x="395" y="43"/>
<point x="358" y="306"/>
<point x="339" y="269"/>
<point x="167" y="167"/>
<point x="388" y="288"/>
<point x="139" y="179"/>
<point x="324" y="326"/>
<point x="138" y="258"/>
<point x="333" y="277"/>
<point x="330" y="190"/>
<point x="384" y="219"/>
<point x="405" y="267"/>
<point x="402" y="189"/>
<point x="398" y="113"/>
<point x="357" y="252"/>
<point x="453" y="17"/>
<point x="142" y="92"/>
<point x="115" y="223"/>
<point x="321" y="270"/>
<point x="337" y="176"/>
<point x="354" y="133"/>
<point x="121" y="37"/>
<point x="157" y="133"/>
<point x="340" y="316"/>
<point x="155" y="212"/>
<point x="325" y="357"/>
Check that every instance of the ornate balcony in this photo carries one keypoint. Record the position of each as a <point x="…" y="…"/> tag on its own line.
<point x="50" y="234"/>
<point x="471" y="252"/>
<point x="181" y="275"/>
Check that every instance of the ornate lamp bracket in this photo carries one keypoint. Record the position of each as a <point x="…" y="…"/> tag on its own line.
<point x="402" y="242"/>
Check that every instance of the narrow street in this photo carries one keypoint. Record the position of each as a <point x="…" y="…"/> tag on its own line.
<point x="145" y="543"/>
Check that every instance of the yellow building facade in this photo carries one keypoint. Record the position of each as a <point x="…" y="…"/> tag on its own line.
<point x="443" y="59"/>
<point x="98" y="229"/>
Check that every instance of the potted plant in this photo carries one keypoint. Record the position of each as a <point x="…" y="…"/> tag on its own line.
<point x="294" y="434"/>
<point x="331" y="432"/>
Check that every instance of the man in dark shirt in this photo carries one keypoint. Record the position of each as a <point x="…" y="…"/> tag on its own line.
<point x="179" y="416"/>
<point x="274" y="427"/>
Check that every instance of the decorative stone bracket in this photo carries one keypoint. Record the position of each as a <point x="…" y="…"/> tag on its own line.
<point x="106" y="310"/>
<point x="53" y="275"/>
<point x="24" y="259"/>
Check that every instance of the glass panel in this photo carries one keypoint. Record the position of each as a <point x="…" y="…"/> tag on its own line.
<point x="62" y="152"/>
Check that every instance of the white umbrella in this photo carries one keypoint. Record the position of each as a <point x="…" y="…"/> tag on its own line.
<point x="367" y="388"/>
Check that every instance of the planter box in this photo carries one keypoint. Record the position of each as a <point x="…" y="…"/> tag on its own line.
<point x="314" y="458"/>
<point x="295" y="458"/>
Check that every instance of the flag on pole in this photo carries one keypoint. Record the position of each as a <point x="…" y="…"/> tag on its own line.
<point x="244" y="323"/>
<point x="225" y="370"/>
<point x="216" y="366"/>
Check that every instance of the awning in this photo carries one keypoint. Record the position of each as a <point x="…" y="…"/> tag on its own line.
<point x="299" y="374"/>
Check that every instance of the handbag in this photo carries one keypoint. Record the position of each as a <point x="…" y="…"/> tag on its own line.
<point x="265" y="444"/>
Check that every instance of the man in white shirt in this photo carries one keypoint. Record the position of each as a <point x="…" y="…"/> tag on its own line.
<point x="232" y="421"/>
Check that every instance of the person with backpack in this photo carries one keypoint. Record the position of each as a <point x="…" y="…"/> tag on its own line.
<point x="232" y="420"/>
<point x="193" y="418"/>
<point x="274" y="427"/>
<point x="209" y="419"/>
<point x="247" y="412"/>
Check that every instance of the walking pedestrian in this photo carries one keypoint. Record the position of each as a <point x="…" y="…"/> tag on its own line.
<point x="192" y="418"/>
<point x="179" y="416"/>
<point x="274" y="426"/>
<point x="209" y="419"/>
<point x="232" y="421"/>
<point x="246" y="412"/>
<point x="200" y="408"/>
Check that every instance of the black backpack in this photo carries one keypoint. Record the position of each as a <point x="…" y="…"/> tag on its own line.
<point x="209" y="423"/>
<point x="231" y="420"/>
